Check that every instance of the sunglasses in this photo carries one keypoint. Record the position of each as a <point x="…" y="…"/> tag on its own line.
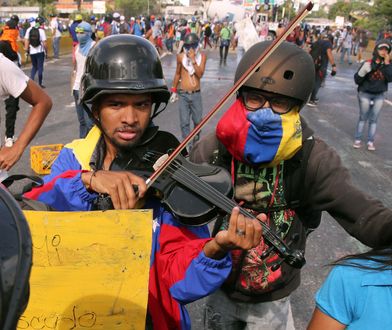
<point x="189" y="46"/>
<point x="255" y="100"/>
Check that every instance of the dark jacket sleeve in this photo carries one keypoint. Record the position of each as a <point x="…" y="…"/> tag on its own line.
<point x="387" y="72"/>
<point x="204" y="149"/>
<point x="329" y="188"/>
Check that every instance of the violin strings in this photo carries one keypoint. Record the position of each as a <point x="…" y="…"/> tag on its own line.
<point x="207" y="191"/>
<point x="224" y="203"/>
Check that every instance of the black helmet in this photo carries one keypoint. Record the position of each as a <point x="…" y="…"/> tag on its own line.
<point x="40" y="20"/>
<point x="123" y="64"/>
<point x="15" y="260"/>
<point x="384" y="43"/>
<point x="109" y="18"/>
<point x="15" y="18"/>
<point x="191" y="39"/>
<point x="289" y="71"/>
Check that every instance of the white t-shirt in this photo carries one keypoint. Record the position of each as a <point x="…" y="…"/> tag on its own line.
<point x="80" y="61"/>
<point x="40" y="48"/>
<point x="54" y="25"/>
<point x="12" y="79"/>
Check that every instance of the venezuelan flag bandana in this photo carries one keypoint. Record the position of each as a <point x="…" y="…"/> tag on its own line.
<point x="260" y="137"/>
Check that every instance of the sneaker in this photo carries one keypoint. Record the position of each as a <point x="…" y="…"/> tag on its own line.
<point x="42" y="86"/>
<point x="311" y="104"/>
<point x="370" y="146"/>
<point x="357" y="144"/>
<point x="9" y="142"/>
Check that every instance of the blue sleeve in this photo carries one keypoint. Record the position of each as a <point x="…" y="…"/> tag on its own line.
<point x="179" y="258"/>
<point x="337" y="296"/>
<point x="63" y="189"/>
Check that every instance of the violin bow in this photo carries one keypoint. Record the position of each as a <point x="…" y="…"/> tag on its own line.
<point x="263" y="57"/>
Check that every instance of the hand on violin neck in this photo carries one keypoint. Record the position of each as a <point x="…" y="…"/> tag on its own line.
<point x="242" y="233"/>
<point x="118" y="185"/>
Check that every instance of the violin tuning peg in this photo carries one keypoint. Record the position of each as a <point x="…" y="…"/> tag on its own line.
<point x="283" y="228"/>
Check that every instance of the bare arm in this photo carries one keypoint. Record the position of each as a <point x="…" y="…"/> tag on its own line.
<point x="331" y="59"/>
<point x="322" y="321"/>
<point x="177" y="75"/>
<point x="42" y="104"/>
<point x="199" y="69"/>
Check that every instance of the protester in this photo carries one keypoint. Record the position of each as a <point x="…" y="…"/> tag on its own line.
<point x="78" y="19"/>
<point x="13" y="82"/>
<point x="356" y="293"/>
<point x="372" y="79"/>
<point x="124" y="27"/>
<point x="138" y="29"/>
<point x="36" y="47"/>
<point x="85" y="43"/>
<point x="115" y="24"/>
<point x="191" y="64"/>
<point x="279" y="168"/>
<point x="363" y="41"/>
<point x="56" y="29"/>
<point x="185" y="264"/>
<point x="321" y="52"/>
<point x="347" y="43"/>
<point x="207" y="35"/>
<point x="9" y="48"/>
<point x="170" y="31"/>
<point x="225" y="37"/>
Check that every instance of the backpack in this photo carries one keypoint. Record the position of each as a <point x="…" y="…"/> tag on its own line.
<point x="34" y="37"/>
<point x="208" y="32"/>
<point x="315" y="52"/>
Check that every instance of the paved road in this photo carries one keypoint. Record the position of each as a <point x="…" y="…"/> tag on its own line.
<point x="334" y="120"/>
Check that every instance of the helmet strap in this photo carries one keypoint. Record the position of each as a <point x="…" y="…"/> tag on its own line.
<point x="157" y="109"/>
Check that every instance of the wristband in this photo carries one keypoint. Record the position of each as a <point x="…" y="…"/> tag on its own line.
<point x="91" y="179"/>
<point x="173" y="90"/>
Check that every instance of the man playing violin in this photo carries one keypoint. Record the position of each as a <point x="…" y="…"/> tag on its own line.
<point x="279" y="168"/>
<point x="122" y="89"/>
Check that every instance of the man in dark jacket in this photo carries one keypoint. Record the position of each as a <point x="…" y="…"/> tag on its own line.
<point x="321" y="52"/>
<point x="280" y="169"/>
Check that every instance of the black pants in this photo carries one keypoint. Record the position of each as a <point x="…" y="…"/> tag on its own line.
<point x="320" y="75"/>
<point x="221" y="52"/>
<point x="11" y="108"/>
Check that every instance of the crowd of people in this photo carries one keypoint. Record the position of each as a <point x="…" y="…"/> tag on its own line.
<point x="276" y="164"/>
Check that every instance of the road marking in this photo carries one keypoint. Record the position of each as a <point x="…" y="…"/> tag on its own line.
<point x="365" y="164"/>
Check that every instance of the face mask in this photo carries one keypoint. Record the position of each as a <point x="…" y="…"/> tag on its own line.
<point x="83" y="38"/>
<point x="260" y="137"/>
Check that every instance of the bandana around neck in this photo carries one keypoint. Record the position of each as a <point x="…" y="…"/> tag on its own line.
<point x="187" y="63"/>
<point x="261" y="137"/>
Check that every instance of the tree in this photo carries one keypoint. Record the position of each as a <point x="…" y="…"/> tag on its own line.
<point x="340" y="8"/>
<point x="134" y="7"/>
<point x="382" y="12"/>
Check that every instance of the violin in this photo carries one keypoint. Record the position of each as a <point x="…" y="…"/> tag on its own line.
<point x="195" y="193"/>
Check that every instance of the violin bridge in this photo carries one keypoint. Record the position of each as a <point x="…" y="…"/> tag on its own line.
<point x="160" y="161"/>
